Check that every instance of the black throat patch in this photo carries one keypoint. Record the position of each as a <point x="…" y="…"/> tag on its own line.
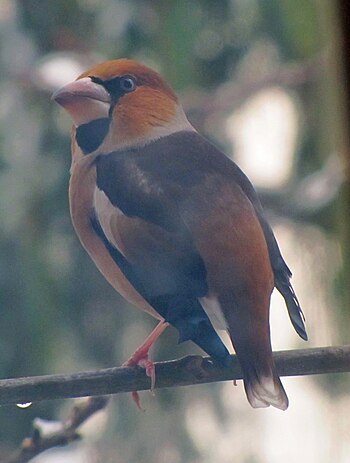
<point x="91" y="135"/>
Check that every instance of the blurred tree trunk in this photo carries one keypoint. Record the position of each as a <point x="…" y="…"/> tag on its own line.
<point x="343" y="14"/>
<point x="344" y="41"/>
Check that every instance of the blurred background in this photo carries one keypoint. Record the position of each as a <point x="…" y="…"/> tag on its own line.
<point x="265" y="80"/>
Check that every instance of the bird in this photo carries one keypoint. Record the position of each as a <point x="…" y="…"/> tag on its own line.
<point x="173" y="224"/>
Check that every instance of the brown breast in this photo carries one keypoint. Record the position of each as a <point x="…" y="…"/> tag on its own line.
<point x="81" y="193"/>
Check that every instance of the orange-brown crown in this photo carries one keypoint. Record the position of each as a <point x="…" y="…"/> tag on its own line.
<point x="147" y="111"/>
<point x="144" y="75"/>
<point x="152" y="105"/>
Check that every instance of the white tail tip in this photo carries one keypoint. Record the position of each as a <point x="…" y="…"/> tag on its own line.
<point x="266" y="391"/>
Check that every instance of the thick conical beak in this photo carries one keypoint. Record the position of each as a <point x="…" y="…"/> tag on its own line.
<point x="84" y="100"/>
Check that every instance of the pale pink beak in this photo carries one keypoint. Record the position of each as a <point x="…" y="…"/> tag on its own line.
<point x="84" y="100"/>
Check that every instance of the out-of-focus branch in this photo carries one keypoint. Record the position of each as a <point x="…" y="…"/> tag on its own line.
<point x="306" y="199"/>
<point x="47" y="435"/>
<point x="233" y="93"/>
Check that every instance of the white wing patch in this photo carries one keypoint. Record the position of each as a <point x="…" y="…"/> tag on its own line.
<point x="212" y="308"/>
<point x="108" y="216"/>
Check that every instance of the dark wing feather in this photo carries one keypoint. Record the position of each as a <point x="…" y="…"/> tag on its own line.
<point x="283" y="275"/>
<point x="173" y="282"/>
<point x="280" y="269"/>
<point x="152" y="183"/>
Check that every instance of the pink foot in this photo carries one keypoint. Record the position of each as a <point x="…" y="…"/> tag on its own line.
<point x="140" y="358"/>
<point x="148" y="365"/>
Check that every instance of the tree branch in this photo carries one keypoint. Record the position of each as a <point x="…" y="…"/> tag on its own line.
<point x="186" y="371"/>
<point x="49" y="434"/>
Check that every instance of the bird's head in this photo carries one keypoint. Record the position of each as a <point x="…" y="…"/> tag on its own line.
<point x="120" y="103"/>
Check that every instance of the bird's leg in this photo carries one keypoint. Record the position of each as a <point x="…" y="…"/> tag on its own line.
<point x="140" y="358"/>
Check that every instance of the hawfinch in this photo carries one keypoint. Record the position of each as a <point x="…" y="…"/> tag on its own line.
<point x="172" y="223"/>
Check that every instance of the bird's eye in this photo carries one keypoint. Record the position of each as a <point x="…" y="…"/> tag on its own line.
<point x="127" y="84"/>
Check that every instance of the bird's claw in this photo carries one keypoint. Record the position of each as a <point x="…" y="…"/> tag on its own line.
<point x="136" y="398"/>
<point x="150" y="370"/>
<point x="147" y="364"/>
